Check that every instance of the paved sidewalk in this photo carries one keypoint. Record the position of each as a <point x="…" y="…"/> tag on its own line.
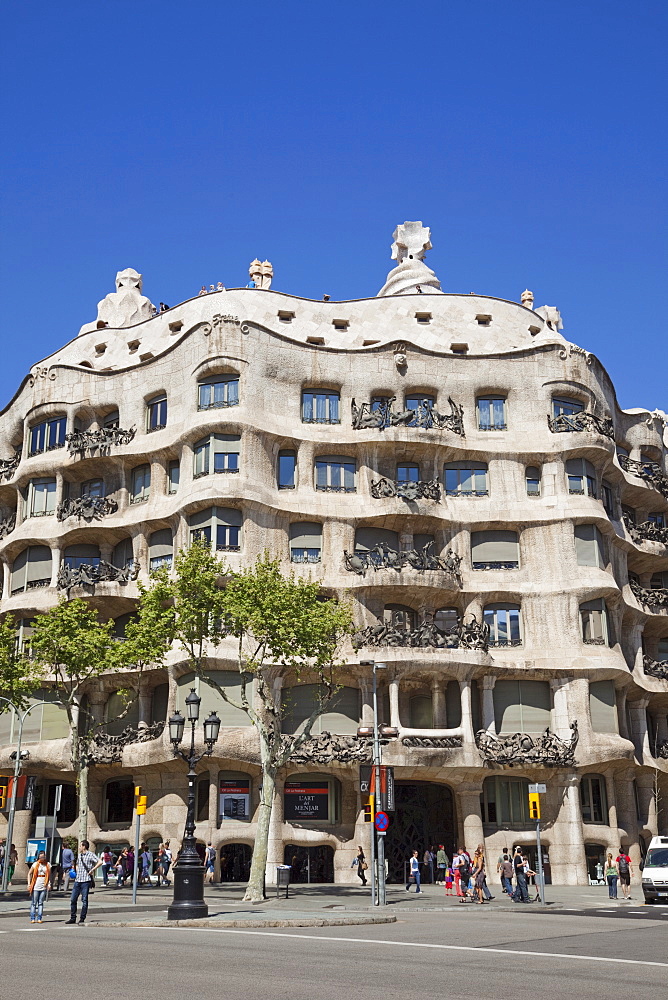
<point x="226" y="899"/>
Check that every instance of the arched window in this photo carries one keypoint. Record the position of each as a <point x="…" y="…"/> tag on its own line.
<point x="581" y="476"/>
<point x="505" y="624"/>
<point x="521" y="706"/>
<point x="118" y="801"/>
<point x="31" y="569"/>
<point x="532" y="477"/>
<point x="505" y="802"/>
<point x="305" y="542"/>
<point x="400" y="616"/>
<point x="156" y="413"/>
<point x="589" y="547"/>
<point x="160" y="549"/>
<point x="593" y="799"/>
<point x="422" y="404"/>
<point x="341" y="715"/>
<point x="495" y="550"/>
<point x="217" y="391"/>
<point x="466" y="479"/>
<point x="594" y="622"/>
<point x="491" y="413"/>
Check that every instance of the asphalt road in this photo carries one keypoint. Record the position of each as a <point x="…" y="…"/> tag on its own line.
<point x="476" y="955"/>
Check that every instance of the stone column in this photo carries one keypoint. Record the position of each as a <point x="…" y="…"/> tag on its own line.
<point x="366" y="690"/>
<point x="438" y="704"/>
<point x="20" y="834"/>
<point x="560" y="716"/>
<point x="567" y="853"/>
<point x="488" y="723"/>
<point x="639" y="734"/>
<point x="471" y="816"/>
<point x="144" y="705"/>
<point x="394" y="703"/>
<point x="467" y="712"/>
<point x="620" y="701"/>
<point x="627" y="814"/>
<point x="56" y="557"/>
<point x="647" y="801"/>
<point x="613" y="822"/>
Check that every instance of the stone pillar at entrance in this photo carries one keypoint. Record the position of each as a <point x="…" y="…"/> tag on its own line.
<point x="627" y="816"/>
<point x="488" y="723"/>
<point x="613" y="822"/>
<point x="394" y="703"/>
<point x="20" y="834"/>
<point x="647" y="802"/>
<point x="567" y="853"/>
<point x="469" y="810"/>
<point x="438" y="704"/>
<point x="467" y="712"/>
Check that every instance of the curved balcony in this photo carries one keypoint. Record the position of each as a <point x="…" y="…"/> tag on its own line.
<point x="90" y="574"/>
<point x="9" y="466"/>
<point x="646" y="531"/>
<point x="7" y="525"/>
<point x="648" y="471"/>
<point x="655" y="668"/>
<point x="381" y="415"/>
<point x="382" y="489"/>
<point x="546" y="750"/>
<point x="100" y="441"/>
<point x="582" y="421"/>
<point x="470" y="634"/>
<point x="656" y="600"/>
<point x="86" y="508"/>
<point x="381" y="556"/>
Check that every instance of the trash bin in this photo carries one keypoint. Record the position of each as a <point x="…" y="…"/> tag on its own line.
<point x="282" y="879"/>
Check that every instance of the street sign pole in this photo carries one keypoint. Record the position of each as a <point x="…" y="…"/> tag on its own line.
<point x="541" y="874"/>
<point x="136" y="868"/>
<point x="56" y="809"/>
<point x="379" y="836"/>
<point x="374" y="892"/>
<point x="535" y="791"/>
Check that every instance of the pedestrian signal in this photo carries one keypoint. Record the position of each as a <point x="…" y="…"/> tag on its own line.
<point x="534" y="805"/>
<point x="141" y="805"/>
<point x="369" y="810"/>
<point x="3" y="797"/>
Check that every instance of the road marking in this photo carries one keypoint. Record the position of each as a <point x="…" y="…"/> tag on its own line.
<point x="419" y="944"/>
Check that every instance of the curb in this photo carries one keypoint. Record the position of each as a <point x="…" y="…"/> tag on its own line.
<point x="294" y="922"/>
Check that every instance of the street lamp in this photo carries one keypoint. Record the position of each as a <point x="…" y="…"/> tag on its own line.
<point x="18" y="757"/>
<point x="377" y="839"/>
<point x="188" y="902"/>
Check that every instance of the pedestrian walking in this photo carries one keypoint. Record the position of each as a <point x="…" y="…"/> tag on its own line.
<point x="166" y="863"/>
<point x="625" y="872"/>
<point x="521" y="894"/>
<point x="464" y="868"/>
<point x="38" y="883"/>
<point x="209" y="862"/>
<point x="507" y="872"/>
<point x="12" y="861"/>
<point x="485" y="888"/>
<point x="66" y="866"/>
<point x="413" y="873"/>
<point x="120" y="869"/>
<point x="499" y="863"/>
<point x="362" y="866"/>
<point x="611" y="876"/>
<point x="428" y="862"/>
<point x="145" y="863"/>
<point x="86" y="864"/>
<point x="449" y="878"/>
<point x="107" y="865"/>
<point x="478" y="873"/>
<point x="442" y="863"/>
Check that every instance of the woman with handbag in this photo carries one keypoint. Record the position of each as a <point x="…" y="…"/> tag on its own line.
<point x="362" y="866"/>
<point x="38" y="883"/>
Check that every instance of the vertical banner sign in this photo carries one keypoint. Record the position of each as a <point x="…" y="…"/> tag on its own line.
<point x="234" y="798"/>
<point x="306" y="800"/>
<point x="368" y="784"/>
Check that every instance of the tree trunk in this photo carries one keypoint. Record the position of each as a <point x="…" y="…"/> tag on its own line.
<point x="83" y="801"/>
<point x="255" y="888"/>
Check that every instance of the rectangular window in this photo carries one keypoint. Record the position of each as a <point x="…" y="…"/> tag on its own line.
<point x="141" y="484"/>
<point x="42" y="497"/>
<point x="287" y="470"/>
<point x="48" y="435"/>
<point x="505" y="626"/>
<point x="522" y="706"/>
<point x="589" y="546"/>
<point x="220" y="523"/>
<point x="217" y="453"/>
<point x="659" y="519"/>
<point x="593" y="801"/>
<point x="335" y="475"/>
<point x="466" y="479"/>
<point x="566" y="407"/>
<point x="226" y="461"/>
<point x="422" y="406"/>
<point x="581" y="476"/>
<point x="602" y="706"/>
<point x="533" y="481"/>
<point x="219" y="392"/>
<point x="173" y="476"/>
<point x="305" y="542"/>
<point x="202" y="452"/>
<point x="93" y="488"/>
<point x="227" y="538"/>
<point x="156" y="414"/>
<point x="408" y="473"/>
<point x="495" y="550"/>
<point x="320" y="407"/>
<point x="607" y="496"/>
<point x="594" y="622"/>
<point x="492" y="413"/>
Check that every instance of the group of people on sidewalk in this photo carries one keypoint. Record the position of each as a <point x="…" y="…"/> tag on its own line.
<point x="620" y="870"/>
<point x="467" y="874"/>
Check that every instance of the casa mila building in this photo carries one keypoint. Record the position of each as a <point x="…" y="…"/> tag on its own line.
<point x="450" y="464"/>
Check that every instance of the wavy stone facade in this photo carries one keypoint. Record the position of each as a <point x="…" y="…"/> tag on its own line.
<point x="497" y="521"/>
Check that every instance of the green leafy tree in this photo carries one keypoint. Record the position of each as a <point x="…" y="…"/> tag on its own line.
<point x="20" y="675"/>
<point x="281" y="627"/>
<point x="73" y="647"/>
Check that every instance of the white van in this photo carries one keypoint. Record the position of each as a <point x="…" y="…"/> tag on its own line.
<point x="655" y="871"/>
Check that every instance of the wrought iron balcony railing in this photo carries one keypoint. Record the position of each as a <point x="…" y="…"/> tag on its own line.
<point x="650" y="598"/>
<point x="79" y="442"/>
<point x="470" y="634"/>
<point x="649" y="471"/>
<point x="7" y="525"/>
<point x="546" y="750"/>
<point x="8" y="466"/>
<point x="511" y="564"/>
<point x="381" y="556"/>
<point x="582" y="421"/>
<point x="646" y="531"/>
<point x="405" y="489"/>
<point x="90" y="574"/>
<point x="655" y="668"/>
<point x="382" y="414"/>
<point x="86" y="508"/>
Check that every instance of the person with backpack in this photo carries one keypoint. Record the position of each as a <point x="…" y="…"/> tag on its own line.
<point x="209" y="862"/>
<point x="464" y="868"/>
<point x="521" y="894"/>
<point x="625" y="870"/>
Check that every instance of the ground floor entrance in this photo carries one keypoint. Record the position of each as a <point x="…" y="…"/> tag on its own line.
<point x="235" y="862"/>
<point x="424" y="817"/>
<point x="310" y="864"/>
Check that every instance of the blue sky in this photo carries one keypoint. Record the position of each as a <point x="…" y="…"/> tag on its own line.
<point x="186" y="139"/>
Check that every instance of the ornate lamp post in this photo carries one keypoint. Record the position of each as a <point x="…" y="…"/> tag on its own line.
<point x="188" y="902"/>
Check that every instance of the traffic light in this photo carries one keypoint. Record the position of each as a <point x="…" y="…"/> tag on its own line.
<point x="140" y="801"/>
<point x="3" y="796"/>
<point x="369" y="813"/>
<point x="534" y="805"/>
